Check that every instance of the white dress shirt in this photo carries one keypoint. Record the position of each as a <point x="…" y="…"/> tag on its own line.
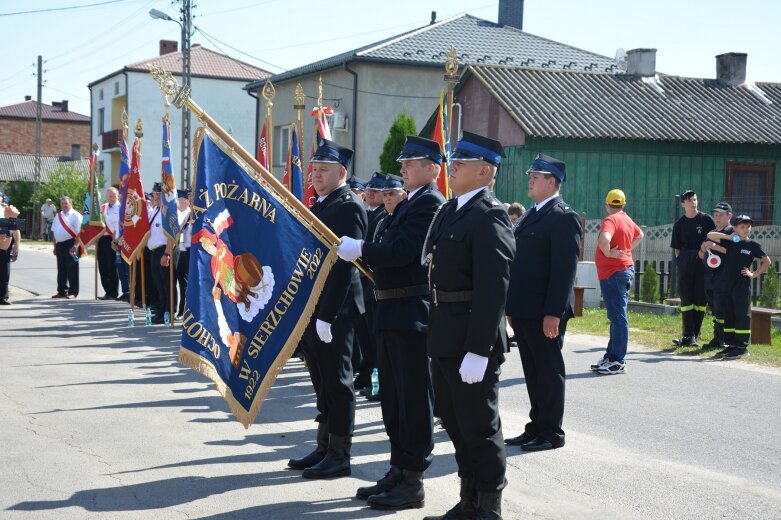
<point x="156" y="236"/>
<point x="111" y="215"/>
<point x="539" y="205"/>
<point x="72" y="220"/>
<point x="186" y="236"/>
<point x="466" y="197"/>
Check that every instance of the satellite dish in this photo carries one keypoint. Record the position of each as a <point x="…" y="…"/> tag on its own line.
<point x="621" y="59"/>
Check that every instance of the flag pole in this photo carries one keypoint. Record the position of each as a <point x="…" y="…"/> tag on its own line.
<point x="269" y="92"/>
<point x="132" y="284"/>
<point x="451" y="78"/>
<point x="181" y="98"/>
<point x="299" y="100"/>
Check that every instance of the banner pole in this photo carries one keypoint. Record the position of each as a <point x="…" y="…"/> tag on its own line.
<point x="132" y="284"/>
<point x="143" y="280"/>
<point x="269" y="92"/>
<point x="451" y="78"/>
<point x="171" y="287"/>
<point x="182" y="98"/>
<point x="97" y="249"/>
<point x="299" y="105"/>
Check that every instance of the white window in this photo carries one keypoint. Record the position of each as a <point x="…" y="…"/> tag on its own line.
<point x="116" y="88"/>
<point x="281" y="143"/>
<point x="101" y="118"/>
<point x="100" y="94"/>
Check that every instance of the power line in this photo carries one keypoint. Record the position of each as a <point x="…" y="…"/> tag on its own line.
<point x="52" y="9"/>
<point x="212" y="39"/>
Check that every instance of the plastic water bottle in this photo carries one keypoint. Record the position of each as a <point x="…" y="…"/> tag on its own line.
<point x="375" y="382"/>
<point x="148" y="317"/>
<point x="167" y="318"/>
<point x="131" y="318"/>
<point x="75" y="258"/>
<point x="736" y="238"/>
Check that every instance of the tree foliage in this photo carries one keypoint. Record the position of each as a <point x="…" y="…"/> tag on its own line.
<point x="649" y="288"/>
<point x="402" y="126"/>
<point x="771" y="289"/>
<point x="65" y="180"/>
<point x="20" y="194"/>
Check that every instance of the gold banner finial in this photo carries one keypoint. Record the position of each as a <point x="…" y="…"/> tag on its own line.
<point x="124" y="118"/>
<point x="139" y="131"/>
<point x="170" y="87"/>
<point x="451" y="66"/>
<point x="320" y="91"/>
<point x="299" y="98"/>
<point x="269" y="93"/>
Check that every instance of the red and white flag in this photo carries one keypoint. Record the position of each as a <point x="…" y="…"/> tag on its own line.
<point x="263" y="149"/>
<point x="322" y="131"/>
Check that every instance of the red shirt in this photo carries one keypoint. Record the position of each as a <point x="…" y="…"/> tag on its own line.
<point x="623" y="231"/>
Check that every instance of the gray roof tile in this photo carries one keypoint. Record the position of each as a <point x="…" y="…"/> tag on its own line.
<point x="21" y="166"/>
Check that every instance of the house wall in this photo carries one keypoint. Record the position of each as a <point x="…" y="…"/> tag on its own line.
<point x="650" y="173"/>
<point x="57" y="137"/>
<point x="484" y="115"/>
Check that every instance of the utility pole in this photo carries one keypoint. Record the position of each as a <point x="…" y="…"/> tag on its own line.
<point x="187" y="22"/>
<point x="38" y="123"/>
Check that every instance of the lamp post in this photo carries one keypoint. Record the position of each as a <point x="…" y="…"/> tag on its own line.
<point x="186" y="25"/>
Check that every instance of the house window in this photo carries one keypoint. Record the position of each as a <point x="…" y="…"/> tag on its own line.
<point x="101" y="117"/>
<point x="100" y="94"/>
<point x="75" y="152"/>
<point x="116" y="88"/>
<point x="281" y="143"/>
<point x="101" y="167"/>
<point x="750" y="190"/>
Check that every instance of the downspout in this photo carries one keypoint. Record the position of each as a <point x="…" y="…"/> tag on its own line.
<point x="355" y="109"/>
<point x="257" y="120"/>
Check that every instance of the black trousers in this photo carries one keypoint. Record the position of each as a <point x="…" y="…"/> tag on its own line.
<point x="691" y="284"/>
<point x="67" y="269"/>
<point x="5" y="272"/>
<point x="737" y="314"/>
<point x="107" y="266"/>
<point x="160" y="284"/>
<point x="470" y="414"/>
<point x="331" y="370"/>
<point x="543" y="368"/>
<point x="182" y="272"/>
<point x="367" y="338"/>
<point x="714" y="296"/>
<point x="407" y="397"/>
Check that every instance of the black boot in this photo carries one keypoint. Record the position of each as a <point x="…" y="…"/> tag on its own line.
<point x="489" y="506"/>
<point x="386" y="483"/>
<point x="466" y="509"/>
<point x="336" y="462"/>
<point x="317" y="455"/>
<point x="407" y="494"/>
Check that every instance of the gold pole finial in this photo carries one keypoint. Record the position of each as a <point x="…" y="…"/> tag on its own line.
<point x="320" y="91"/>
<point x="299" y="98"/>
<point x="139" y="131"/>
<point x="124" y="118"/>
<point x="451" y="66"/>
<point x="170" y="87"/>
<point x="269" y="93"/>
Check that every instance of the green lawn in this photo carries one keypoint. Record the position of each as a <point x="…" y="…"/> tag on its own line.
<point x="657" y="332"/>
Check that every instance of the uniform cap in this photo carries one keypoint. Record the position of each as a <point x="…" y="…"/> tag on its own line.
<point x="687" y="194"/>
<point x="183" y="194"/>
<point x="421" y="148"/>
<point x="615" y="197"/>
<point x="355" y="184"/>
<point x="330" y="152"/>
<point x="473" y="147"/>
<point x="722" y="207"/>
<point x="743" y="218"/>
<point x="393" y="182"/>
<point x="550" y="165"/>
<point x="377" y="182"/>
<point x="157" y="188"/>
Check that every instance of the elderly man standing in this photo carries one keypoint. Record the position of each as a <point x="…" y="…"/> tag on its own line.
<point x="469" y="249"/>
<point x="159" y="249"/>
<point x="107" y="256"/>
<point x="540" y="298"/>
<point x="48" y="212"/>
<point x="327" y="342"/>
<point x="402" y="322"/>
<point x="65" y="230"/>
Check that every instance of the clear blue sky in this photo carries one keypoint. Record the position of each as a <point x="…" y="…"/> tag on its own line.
<point x="82" y="45"/>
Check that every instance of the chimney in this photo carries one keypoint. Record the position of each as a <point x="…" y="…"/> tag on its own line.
<point x="61" y="106"/>
<point x="511" y="13"/>
<point x="28" y="98"/>
<point x="641" y="62"/>
<point x="433" y="18"/>
<point x="168" y="46"/>
<point x="731" y="68"/>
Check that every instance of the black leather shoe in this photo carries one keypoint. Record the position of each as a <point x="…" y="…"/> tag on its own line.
<point x="336" y="462"/>
<point x="519" y="440"/>
<point x="362" y="382"/>
<point x="386" y="483"/>
<point x="407" y="494"/>
<point x="539" y="444"/>
<point x="317" y="455"/>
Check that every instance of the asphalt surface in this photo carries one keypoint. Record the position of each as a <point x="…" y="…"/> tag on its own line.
<point x="100" y="421"/>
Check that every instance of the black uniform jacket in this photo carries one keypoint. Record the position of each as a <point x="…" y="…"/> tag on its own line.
<point x="395" y="259"/>
<point x="374" y="218"/>
<point x="471" y="250"/>
<point x="544" y="269"/>
<point x="344" y="214"/>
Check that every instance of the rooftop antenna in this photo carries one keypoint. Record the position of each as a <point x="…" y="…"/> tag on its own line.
<point x="621" y="59"/>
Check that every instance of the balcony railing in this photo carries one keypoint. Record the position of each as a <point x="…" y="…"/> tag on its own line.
<point x="111" y="139"/>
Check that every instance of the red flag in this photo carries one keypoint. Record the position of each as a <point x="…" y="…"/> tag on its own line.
<point x="441" y="136"/>
<point x="263" y="149"/>
<point x="92" y="225"/>
<point x="136" y="223"/>
<point x="322" y="131"/>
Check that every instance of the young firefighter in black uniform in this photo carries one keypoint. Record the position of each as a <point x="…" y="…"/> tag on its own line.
<point x="714" y="273"/>
<point x="469" y="249"/>
<point x="402" y="322"/>
<point x="328" y="340"/>
<point x="689" y="233"/>
<point x="741" y="252"/>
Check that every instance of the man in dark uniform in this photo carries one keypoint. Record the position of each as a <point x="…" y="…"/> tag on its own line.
<point x="469" y="250"/>
<point x="159" y="249"/>
<point x="182" y="268"/>
<point x="714" y="273"/>
<point x="328" y="340"/>
<point x="401" y="324"/>
<point x="689" y="232"/>
<point x="540" y="299"/>
<point x="375" y="211"/>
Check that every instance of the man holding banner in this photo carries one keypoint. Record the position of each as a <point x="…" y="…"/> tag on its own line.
<point x="401" y="324"/>
<point x="327" y="342"/>
<point x="159" y="251"/>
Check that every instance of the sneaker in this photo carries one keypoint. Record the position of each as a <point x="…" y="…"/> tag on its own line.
<point x="596" y="366"/>
<point x="735" y="353"/>
<point x="686" y="341"/>
<point x="612" y="367"/>
<point x="720" y="353"/>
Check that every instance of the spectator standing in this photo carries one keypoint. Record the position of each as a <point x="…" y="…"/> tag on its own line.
<point x="106" y="254"/>
<point x="515" y="212"/>
<point x="618" y="236"/>
<point x="9" y="249"/>
<point x="65" y="231"/>
<point x="48" y="212"/>
<point x="714" y="273"/>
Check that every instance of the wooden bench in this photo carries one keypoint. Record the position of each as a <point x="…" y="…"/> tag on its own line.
<point x="675" y="302"/>
<point x="760" y="324"/>
<point x="578" y="310"/>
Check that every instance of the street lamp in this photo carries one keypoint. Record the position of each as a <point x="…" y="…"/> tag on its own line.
<point x="186" y="24"/>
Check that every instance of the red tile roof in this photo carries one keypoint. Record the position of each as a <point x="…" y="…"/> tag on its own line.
<point x="204" y="63"/>
<point x="27" y="110"/>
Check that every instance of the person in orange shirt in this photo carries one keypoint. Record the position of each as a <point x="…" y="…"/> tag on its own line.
<point x="618" y="236"/>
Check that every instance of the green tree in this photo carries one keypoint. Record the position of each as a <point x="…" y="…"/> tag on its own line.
<point x="649" y="288"/>
<point x="771" y="289"/>
<point x="20" y="193"/>
<point x="402" y="126"/>
<point x="65" y="180"/>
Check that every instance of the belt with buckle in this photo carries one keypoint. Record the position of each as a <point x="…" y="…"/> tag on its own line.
<point x="439" y="296"/>
<point x="401" y="292"/>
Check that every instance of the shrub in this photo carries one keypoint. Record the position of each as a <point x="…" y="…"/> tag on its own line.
<point x="771" y="289"/>
<point x="649" y="288"/>
<point x="402" y="126"/>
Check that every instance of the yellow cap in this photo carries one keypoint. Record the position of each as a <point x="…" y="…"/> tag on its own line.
<point x="615" y="198"/>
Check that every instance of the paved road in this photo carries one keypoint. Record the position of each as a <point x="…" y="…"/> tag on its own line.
<point x="100" y="420"/>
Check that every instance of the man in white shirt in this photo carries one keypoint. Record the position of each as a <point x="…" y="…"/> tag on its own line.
<point x="48" y="212"/>
<point x="159" y="251"/>
<point x="106" y="255"/>
<point x="65" y="230"/>
<point x="185" y="239"/>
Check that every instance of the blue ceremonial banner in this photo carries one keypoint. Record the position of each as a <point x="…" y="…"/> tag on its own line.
<point x="168" y="197"/>
<point x="256" y="271"/>
<point x="294" y="166"/>
<point x="124" y="171"/>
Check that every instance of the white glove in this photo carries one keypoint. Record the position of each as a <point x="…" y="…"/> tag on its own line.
<point x="349" y="249"/>
<point x="473" y="368"/>
<point x="324" y="331"/>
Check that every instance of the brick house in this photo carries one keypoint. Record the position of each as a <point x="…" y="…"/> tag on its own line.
<point x="63" y="133"/>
